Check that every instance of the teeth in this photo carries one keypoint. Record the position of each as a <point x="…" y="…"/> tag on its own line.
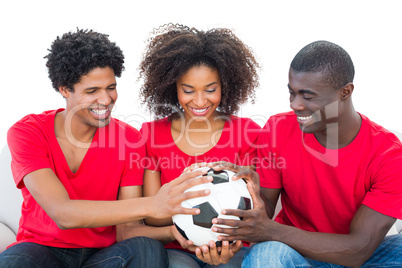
<point x="304" y="117"/>
<point x="100" y="111"/>
<point x="199" y="110"/>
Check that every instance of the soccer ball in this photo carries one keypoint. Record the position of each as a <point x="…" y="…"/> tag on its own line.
<point x="224" y="194"/>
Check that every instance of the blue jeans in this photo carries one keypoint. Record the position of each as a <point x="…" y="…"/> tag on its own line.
<point x="276" y="254"/>
<point x="182" y="259"/>
<point x="133" y="252"/>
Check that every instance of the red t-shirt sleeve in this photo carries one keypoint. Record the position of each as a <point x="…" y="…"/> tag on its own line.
<point x="248" y="150"/>
<point x="385" y="194"/>
<point x="28" y="150"/>
<point x="133" y="172"/>
<point x="267" y="168"/>
<point x="148" y="133"/>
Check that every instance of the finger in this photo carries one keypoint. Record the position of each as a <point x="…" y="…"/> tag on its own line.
<point x="254" y="191"/>
<point x="189" y="175"/>
<point x="228" y="222"/>
<point x="180" y="190"/>
<point x="226" y="254"/>
<point x="250" y="176"/>
<point x="206" y="254"/>
<point x="195" y="166"/>
<point x="236" y="247"/>
<point x="200" y="255"/>
<point x="217" y="166"/>
<point x="213" y="251"/>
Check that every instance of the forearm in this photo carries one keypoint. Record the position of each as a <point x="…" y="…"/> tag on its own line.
<point x="162" y="234"/>
<point x="89" y="214"/>
<point x="158" y="222"/>
<point x="342" y="249"/>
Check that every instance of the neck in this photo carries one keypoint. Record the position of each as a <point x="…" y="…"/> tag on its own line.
<point x="342" y="132"/>
<point x="203" y="123"/>
<point x="78" y="133"/>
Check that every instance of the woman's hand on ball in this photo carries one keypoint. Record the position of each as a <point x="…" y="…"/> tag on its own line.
<point x="213" y="255"/>
<point x="184" y="243"/>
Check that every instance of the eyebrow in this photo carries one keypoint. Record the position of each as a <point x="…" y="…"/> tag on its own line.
<point x="205" y="85"/>
<point x="92" y="88"/>
<point x="304" y="91"/>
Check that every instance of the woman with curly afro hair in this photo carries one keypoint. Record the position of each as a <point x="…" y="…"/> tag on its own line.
<point x="194" y="82"/>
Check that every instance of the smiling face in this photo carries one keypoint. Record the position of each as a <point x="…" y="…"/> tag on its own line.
<point x="93" y="98"/>
<point x="199" y="92"/>
<point x="314" y="102"/>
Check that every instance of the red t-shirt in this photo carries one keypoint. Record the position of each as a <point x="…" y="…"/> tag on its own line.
<point x="236" y="145"/>
<point x="323" y="188"/>
<point x="110" y="163"/>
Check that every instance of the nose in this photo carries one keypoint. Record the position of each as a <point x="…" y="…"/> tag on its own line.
<point x="296" y="103"/>
<point x="200" y="99"/>
<point x="104" y="97"/>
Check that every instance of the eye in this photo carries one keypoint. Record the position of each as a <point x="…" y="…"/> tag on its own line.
<point x="211" y="90"/>
<point x="187" y="91"/>
<point x="91" y="91"/>
<point x="307" y="97"/>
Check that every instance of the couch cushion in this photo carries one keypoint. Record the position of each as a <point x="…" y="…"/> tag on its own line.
<point x="10" y="196"/>
<point x="7" y="237"/>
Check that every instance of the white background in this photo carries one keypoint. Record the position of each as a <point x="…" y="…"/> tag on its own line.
<point x="276" y="30"/>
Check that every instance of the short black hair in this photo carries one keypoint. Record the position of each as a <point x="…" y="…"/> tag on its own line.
<point x="326" y="57"/>
<point x="175" y="48"/>
<point x="77" y="53"/>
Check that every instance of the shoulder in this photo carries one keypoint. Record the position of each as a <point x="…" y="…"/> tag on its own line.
<point x="123" y="129"/>
<point x="32" y="124"/>
<point x="244" y="122"/>
<point x="159" y="124"/>
<point x="282" y="122"/>
<point x="380" y="135"/>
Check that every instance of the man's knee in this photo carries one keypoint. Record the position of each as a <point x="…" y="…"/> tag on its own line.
<point x="272" y="253"/>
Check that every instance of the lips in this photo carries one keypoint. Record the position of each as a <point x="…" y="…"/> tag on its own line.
<point x="304" y="118"/>
<point x="101" y="113"/>
<point x="200" y="111"/>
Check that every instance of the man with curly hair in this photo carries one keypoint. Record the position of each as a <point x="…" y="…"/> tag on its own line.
<point x="338" y="173"/>
<point x="72" y="164"/>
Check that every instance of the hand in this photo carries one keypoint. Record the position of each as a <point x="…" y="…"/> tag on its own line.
<point x="195" y="166"/>
<point x="254" y="226"/>
<point x="184" y="243"/>
<point x="213" y="255"/>
<point x="245" y="173"/>
<point x="167" y="201"/>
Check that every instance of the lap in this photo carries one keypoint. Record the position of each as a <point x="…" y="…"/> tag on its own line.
<point x="29" y="255"/>
<point x="133" y="252"/>
<point x="388" y="254"/>
<point x="182" y="259"/>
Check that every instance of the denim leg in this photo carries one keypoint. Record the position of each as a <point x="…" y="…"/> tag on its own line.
<point x="182" y="259"/>
<point x="234" y="262"/>
<point x="29" y="255"/>
<point x="273" y="254"/>
<point x="134" y="252"/>
<point x="388" y="253"/>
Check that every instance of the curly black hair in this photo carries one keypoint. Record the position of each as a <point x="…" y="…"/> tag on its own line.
<point x="326" y="57"/>
<point x="174" y="48"/>
<point x="77" y="53"/>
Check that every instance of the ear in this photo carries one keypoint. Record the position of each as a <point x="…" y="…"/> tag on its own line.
<point x="347" y="90"/>
<point x="64" y="91"/>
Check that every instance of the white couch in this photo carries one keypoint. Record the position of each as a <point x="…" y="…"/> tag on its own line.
<point x="11" y="200"/>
